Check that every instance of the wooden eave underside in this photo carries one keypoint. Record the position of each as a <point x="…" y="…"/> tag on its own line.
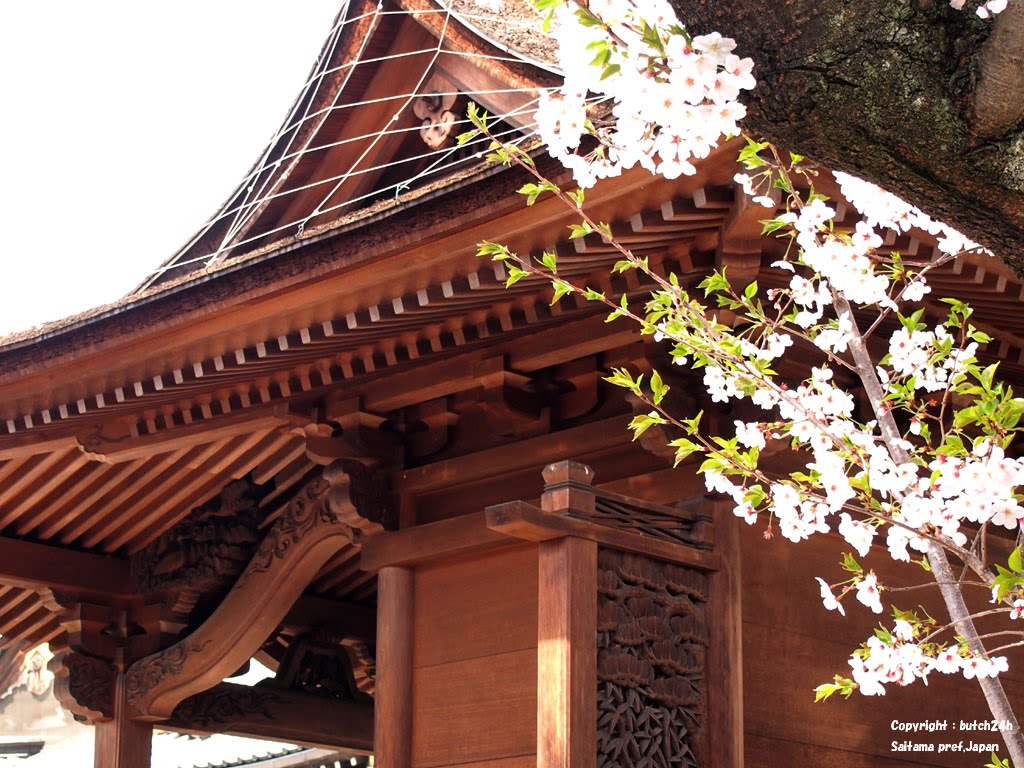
<point x="174" y="439"/>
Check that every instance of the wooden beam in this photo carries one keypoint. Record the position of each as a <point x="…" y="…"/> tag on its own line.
<point x="567" y="654"/>
<point x="525" y="521"/>
<point x="525" y="454"/>
<point x="126" y="448"/>
<point x="393" y="723"/>
<point x="39" y="566"/>
<point x="270" y="713"/>
<point x="446" y="538"/>
<point x="31" y="443"/>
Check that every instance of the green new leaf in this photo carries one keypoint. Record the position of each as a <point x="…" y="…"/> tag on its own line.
<point x="825" y="690"/>
<point x="850" y="564"/>
<point x="562" y="288"/>
<point x="579" y="230"/>
<point x="684" y="447"/>
<point x="1014" y="561"/>
<point x="515" y="274"/>
<point x="658" y="388"/>
<point x="496" y="251"/>
<point x="645" y="421"/>
<point x="549" y="260"/>
<point x="772" y="225"/>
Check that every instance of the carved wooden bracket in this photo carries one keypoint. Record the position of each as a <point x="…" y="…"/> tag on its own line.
<point x="435" y="109"/>
<point x="84" y="685"/>
<point x="101" y="640"/>
<point x="320" y="519"/>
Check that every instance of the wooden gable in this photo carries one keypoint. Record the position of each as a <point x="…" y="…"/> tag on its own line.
<point x="378" y="117"/>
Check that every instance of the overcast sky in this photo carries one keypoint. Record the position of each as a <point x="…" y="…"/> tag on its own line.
<point x="125" y="125"/>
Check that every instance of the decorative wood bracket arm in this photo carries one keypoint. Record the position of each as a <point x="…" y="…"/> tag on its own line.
<point x="321" y="519"/>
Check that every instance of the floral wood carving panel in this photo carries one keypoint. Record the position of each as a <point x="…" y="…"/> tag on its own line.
<point x="651" y="646"/>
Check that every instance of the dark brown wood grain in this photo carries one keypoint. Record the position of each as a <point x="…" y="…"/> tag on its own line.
<point x="567" y="654"/>
<point x="394" y="702"/>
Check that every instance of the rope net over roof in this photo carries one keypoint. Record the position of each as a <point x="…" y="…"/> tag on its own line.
<point x="377" y="119"/>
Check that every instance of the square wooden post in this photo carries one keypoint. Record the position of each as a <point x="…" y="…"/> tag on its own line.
<point x="122" y="743"/>
<point x="392" y="742"/>
<point x="567" y="654"/>
<point x="725" y="654"/>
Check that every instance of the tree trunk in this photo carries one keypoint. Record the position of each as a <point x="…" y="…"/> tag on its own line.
<point x="904" y="93"/>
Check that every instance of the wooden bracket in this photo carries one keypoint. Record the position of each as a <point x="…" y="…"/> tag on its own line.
<point x="100" y="641"/>
<point x="739" y="243"/>
<point x="350" y="433"/>
<point x="317" y="522"/>
<point x="429" y="426"/>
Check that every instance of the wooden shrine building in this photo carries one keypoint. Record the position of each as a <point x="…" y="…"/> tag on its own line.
<point x="325" y="435"/>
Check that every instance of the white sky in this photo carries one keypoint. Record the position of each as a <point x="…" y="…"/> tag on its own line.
<point x="125" y="125"/>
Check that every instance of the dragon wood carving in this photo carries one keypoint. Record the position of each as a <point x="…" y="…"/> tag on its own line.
<point x="316" y="523"/>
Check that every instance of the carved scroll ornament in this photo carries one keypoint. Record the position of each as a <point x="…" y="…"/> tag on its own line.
<point x="317" y="522"/>
<point x="84" y="685"/>
<point x="434" y="110"/>
<point x="224" y="704"/>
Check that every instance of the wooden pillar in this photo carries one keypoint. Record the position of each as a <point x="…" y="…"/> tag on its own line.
<point x="120" y="742"/>
<point x="393" y="701"/>
<point x="567" y="654"/>
<point x="725" y="654"/>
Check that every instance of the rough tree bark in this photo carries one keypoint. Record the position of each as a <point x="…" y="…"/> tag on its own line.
<point x="922" y="99"/>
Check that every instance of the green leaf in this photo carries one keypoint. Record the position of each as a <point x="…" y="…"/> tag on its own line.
<point x="823" y="691"/>
<point x="684" y="447"/>
<point x="562" y="288"/>
<point x="579" y="230"/>
<point x="645" y="421"/>
<point x="772" y="225"/>
<point x="515" y="274"/>
<point x="850" y="564"/>
<point x="531" y="190"/>
<point x="658" y="388"/>
<point x="1014" y="561"/>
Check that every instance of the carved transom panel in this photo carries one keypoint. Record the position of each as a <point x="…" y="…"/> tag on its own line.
<point x="651" y="681"/>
